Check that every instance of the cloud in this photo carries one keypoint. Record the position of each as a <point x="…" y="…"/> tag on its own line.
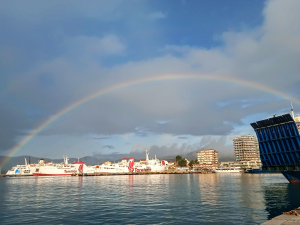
<point x="110" y="156"/>
<point x="101" y="138"/>
<point x="219" y="143"/>
<point x="108" y="146"/>
<point x="78" y="67"/>
<point x="16" y="121"/>
<point x="107" y="45"/>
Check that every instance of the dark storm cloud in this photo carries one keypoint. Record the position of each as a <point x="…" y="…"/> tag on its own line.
<point x="15" y="120"/>
<point x="141" y="131"/>
<point x="54" y="68"/>
<point x="12" y="121"/>
<point x="189" y="150"/>
<point x="111" y="156"/>
<point x="108" y="146"/>
<point x="101" y="138"/>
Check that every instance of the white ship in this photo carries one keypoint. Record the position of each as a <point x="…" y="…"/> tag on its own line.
<point x="58" y="169"/>
<point x="148" y="165"/>
<point x="20" y="170"/>
<point x="228" y="170"/>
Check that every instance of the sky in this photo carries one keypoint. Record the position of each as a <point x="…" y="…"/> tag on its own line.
<point x="122" y="77"/>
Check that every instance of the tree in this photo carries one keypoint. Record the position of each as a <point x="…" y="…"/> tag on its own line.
<point x="182" y="162"/>
<point x="177" y="158"/>
<point x="196" y="161"/>
<point x="192" y="162"/>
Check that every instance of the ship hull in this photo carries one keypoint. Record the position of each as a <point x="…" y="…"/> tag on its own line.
<point x="42" y="175"/>
<point x="260" y="171"/>
<point x="52" y="171"/>
<point x="292" y="176"/>
<point x="45" y="174"/>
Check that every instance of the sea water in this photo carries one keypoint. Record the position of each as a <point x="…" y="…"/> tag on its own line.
<point x="147" y="199"/>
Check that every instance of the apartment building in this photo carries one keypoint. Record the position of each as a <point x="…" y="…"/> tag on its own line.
<point x="246" y="151"/>
<point x="208" y="158"/>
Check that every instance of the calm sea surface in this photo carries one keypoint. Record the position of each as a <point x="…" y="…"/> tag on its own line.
<point x="147" y="199"/>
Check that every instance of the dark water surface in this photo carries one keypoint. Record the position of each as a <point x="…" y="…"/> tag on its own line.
<point x="147" y="199"/>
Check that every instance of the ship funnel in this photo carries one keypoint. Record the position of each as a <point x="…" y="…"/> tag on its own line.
<point x="131" y="165"/>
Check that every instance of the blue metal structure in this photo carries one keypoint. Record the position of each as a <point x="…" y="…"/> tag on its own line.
<point x="279" y="144"/>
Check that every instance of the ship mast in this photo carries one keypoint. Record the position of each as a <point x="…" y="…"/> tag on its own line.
<point x="292" y="111"/>
<point x="147" y="156"/>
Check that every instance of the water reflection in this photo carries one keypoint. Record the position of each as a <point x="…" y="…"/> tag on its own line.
<point x="281" y="198"/>
<point x="137" y="199"/>
<point x="209" y="189"/>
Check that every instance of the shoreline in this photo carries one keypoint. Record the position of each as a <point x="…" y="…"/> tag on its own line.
<point x="114" y="174"/>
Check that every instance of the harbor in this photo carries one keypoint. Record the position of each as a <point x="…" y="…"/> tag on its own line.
<point x="287" y="218"/>
<point x="114" y="174"/>
<point x="206" y="170"/>
<point x="239" y="197"/>
<point x="150" y="112"/>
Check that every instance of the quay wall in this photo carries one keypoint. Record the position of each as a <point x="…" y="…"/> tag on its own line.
<point x="113" y="174"/>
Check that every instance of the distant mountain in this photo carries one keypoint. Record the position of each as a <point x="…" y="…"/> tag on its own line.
<point x="191" y="156"/>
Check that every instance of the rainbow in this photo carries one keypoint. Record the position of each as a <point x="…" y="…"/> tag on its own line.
<point x="112" y="88"/>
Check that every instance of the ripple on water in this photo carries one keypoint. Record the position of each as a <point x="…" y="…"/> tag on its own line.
<point x="147" y="199"/>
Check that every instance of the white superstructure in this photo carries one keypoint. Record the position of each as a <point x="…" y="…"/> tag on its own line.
<point x="20" y="170"/>
<point x="59" y="169"/>
<point x="148" y="165"/>
<point x="228" y="170"/>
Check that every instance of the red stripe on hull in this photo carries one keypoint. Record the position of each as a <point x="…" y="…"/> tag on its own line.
<point x="108" y="172"/>
<point x="43" y="174"/>
<point x="294" y="181"/>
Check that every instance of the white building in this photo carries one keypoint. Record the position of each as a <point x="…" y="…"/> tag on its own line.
<point x="246" y="151"/>
<point x="208" y="158"/>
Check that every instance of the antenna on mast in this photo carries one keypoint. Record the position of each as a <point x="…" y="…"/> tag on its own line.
<point x="292" y="111"/>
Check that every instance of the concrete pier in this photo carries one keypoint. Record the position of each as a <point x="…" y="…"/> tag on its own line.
<point x="4" y="175"/>
<point x="287" y="218"/>
<point x="139" y="173"/>
<point x="113" y="174"/>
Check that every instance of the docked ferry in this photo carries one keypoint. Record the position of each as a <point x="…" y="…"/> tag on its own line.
<point x="58" y="169"/>
<point x="148" y="165"/>
<point x="228" y="170"/>
<point x="23" y="170"/>
<point x="279" y="145"/>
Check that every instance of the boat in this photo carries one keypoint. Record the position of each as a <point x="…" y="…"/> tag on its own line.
<point x="259" y="170"/>
<point x="121" y="167"/>
<point x="59" y="169"/>
<point x="228" y="170"/>
<point x="279" y="145"/>
<point x="23" y="170"/>
<point x="148" y="165"/>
